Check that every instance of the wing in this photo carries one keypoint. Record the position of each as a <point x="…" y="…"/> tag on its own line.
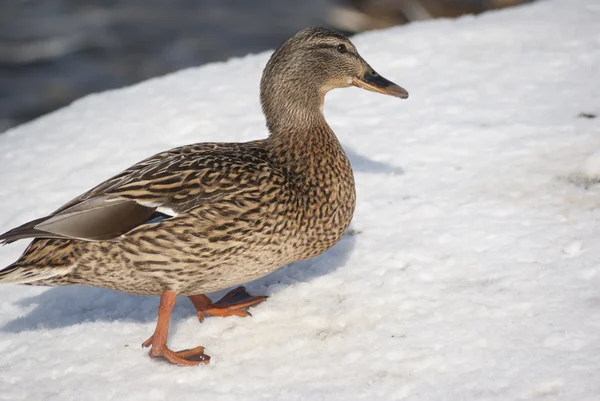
<point x="158" y="188"/>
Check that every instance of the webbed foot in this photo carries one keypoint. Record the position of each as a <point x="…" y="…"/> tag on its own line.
<point x="158" y="340"/>
<point x="235" y="303"/>
<point x="189" y="357"/>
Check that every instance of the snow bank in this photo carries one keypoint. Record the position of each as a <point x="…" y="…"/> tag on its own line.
<point x="472" y="268"/>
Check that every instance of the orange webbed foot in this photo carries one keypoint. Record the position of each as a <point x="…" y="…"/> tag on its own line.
<point x="158" y="340"/>
<point x="189" y="357"/>
<point x="235" y="303"/>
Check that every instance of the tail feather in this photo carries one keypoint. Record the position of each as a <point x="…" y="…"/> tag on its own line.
<point x="37" y="263"/>
<point x="16" y="274"/>
<point x="6" y="273"/>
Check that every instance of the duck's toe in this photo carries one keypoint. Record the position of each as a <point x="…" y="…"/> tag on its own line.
<point x="188" y="357"/>
<point x="235" y="303"/>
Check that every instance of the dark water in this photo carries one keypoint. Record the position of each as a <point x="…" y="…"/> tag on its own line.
<point x="54" y="51"/>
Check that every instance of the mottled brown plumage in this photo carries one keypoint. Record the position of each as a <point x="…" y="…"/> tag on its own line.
<point x="204" y="217"/>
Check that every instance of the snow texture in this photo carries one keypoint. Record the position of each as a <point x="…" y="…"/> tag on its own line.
<point x="472" y="267"/>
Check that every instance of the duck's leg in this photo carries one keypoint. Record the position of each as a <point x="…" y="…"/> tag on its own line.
<point x="226" y="306"/>
<point x="158" y="341"/>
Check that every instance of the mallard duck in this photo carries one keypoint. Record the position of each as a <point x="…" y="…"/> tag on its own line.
<point x="209" y="216"/>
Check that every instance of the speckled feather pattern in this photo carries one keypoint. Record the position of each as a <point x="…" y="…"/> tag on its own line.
<point x="240" y="210"/>
<point x="250" y="216"/>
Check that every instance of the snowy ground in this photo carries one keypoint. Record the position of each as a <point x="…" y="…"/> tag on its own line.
<point x="472" y="270"/>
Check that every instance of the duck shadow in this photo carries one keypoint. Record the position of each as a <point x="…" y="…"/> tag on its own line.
<point x="60" y="307"/>
<point x="366" y="165"/>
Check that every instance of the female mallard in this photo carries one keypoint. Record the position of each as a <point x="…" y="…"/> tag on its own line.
<point x="204" y="217"/>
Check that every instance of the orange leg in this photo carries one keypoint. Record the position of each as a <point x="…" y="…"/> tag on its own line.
<point x="226" y="306"/>
<point x="158" y="341"/>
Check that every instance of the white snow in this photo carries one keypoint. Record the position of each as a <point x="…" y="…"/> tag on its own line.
<point x="472" y="269"/>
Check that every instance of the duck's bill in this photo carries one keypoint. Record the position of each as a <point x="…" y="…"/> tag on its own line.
<point x="374" y="82"/>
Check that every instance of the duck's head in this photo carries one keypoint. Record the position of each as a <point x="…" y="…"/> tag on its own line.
<point x="311" y="63"/>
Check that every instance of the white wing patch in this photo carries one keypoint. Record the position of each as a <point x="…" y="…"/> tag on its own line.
<point x="166" y="210"/>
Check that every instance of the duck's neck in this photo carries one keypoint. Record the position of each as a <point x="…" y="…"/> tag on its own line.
<point x="301" y="140"/>
<point x="317" y="171"/>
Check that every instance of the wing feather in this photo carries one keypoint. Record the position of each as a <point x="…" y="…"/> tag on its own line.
<point x="164" y="185"/>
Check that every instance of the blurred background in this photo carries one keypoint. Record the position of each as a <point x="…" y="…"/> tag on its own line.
<point x="55" y="51"/>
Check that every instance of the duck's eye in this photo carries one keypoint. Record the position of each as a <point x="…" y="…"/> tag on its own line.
<point x="342" y="48"/>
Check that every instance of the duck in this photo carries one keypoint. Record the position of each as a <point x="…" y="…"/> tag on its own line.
<point x="207" y="217"/>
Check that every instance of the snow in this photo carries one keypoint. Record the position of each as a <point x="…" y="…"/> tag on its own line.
<point x="472" y="267"/>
